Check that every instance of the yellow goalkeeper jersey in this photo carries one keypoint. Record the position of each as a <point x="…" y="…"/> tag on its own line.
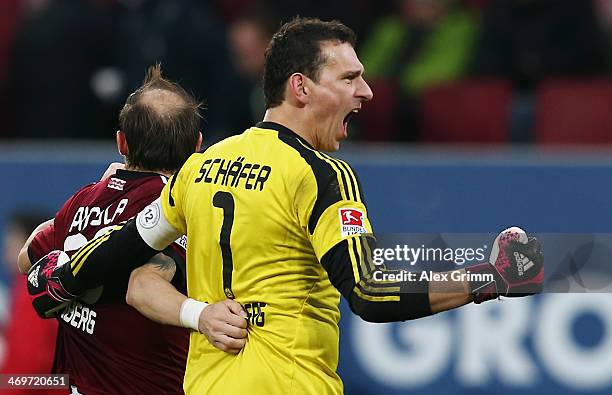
<point x="260" y="210"/>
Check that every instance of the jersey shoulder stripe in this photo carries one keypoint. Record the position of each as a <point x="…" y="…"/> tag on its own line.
<point x="328" y="189"/>
<point x="355" y="186"/>
<point x="346" y="177"/>
<point x="342" y="177"/>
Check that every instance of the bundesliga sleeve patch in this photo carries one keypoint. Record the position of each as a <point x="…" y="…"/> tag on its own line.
<point x="352" y="221"/>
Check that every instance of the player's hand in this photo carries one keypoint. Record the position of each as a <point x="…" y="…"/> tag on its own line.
<point x="517" y="265"/>
<point x="112" y="168"/>
<point x="48" y="294"/>
<point x="225" y="325"/>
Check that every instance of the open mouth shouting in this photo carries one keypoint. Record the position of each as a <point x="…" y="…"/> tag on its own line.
<point x="346" y="120"/>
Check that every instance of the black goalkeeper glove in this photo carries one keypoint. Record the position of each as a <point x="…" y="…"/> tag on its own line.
<point x="44" y="284"/>
<point x="516" y="264"/>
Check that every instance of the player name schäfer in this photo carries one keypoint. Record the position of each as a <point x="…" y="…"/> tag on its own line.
<point x="428" y="275"/>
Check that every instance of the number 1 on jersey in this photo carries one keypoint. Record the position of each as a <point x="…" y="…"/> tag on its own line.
<point x="225" y="201"/>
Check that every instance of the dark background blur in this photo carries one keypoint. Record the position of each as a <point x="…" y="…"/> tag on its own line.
<point x="473" y="71"/>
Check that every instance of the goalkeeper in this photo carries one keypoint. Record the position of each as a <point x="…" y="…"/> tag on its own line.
<point x="282" y="228"/>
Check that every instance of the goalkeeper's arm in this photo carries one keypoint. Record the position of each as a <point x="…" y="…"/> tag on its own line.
<point x="124" y="248"/>
<point x="515" y="268"/>
<point x="387" y="301"/>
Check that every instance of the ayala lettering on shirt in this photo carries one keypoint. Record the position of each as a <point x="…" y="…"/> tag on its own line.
<point x="96" y="216"/>
<point x="252" y="176"/>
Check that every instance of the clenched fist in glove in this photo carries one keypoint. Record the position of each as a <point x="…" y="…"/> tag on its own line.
<point x="516" y="263"/>
<point x="48" y="294"/>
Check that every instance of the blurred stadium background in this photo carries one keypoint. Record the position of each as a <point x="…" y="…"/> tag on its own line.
<point x="487" y="113"/>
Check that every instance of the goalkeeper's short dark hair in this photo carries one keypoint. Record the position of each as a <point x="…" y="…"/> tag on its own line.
<point x="296" y="48"/>
<point x="161" y="122"/>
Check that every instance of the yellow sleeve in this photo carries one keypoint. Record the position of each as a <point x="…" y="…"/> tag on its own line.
<point x="340" y="221"/>
<point x="330" y="204"/>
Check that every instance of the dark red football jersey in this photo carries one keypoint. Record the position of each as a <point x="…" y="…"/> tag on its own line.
<point x="110" y="348"/>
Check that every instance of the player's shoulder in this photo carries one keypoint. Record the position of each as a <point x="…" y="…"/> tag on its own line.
<point x="192" y="163"/>
<point x="328" y="172"/>
<point x="302" y="157"/>
<point x="135" y="186"/>
<point x="323" y="167"/>
<point x="338" y="165"/>
<point x="85" y="191"/>
<point x="129" y="181"/>
<point x="82" y="197"/>
<point x="221" y="146"/>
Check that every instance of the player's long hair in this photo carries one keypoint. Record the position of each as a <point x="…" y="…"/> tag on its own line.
<point x="161" y="122"/>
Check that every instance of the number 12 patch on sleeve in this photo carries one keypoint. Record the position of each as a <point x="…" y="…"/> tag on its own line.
<point x="352" y="221"/>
